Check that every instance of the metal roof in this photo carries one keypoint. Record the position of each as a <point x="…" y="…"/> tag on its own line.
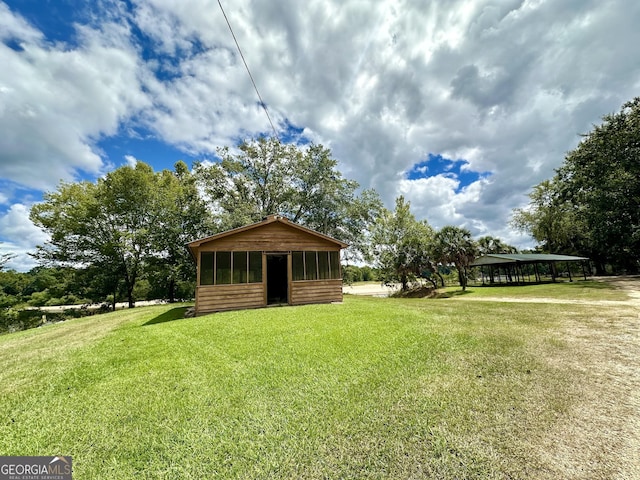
<point x="503" y="258"/>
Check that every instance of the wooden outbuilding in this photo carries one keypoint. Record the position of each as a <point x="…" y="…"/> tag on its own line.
<point x="272" y="262"/>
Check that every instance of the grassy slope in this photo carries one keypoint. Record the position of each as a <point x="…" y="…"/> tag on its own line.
<point x="372" y="388"/>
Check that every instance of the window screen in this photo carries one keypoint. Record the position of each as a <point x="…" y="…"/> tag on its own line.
<point x="323" y="266"/>
<point x="334" y="264"/>
<point x="223" y="268"/>
<point x="255" y="267"/>
<point x="206" y="268"/>
<point x="240" y="267"/>
<point x="297" y="265"/>
<point x="311" y="270"/>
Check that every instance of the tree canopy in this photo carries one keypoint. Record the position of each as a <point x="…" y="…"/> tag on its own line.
<point x="592" y="205"/>
<point x="401" y="245"/>
<point x="267" y="177"/>
<point x="4" y="258"/>
<point x="454" y="246"/>
<point x="123" y="224"/>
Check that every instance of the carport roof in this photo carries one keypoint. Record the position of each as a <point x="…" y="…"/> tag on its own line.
<point x="503" y="258"/>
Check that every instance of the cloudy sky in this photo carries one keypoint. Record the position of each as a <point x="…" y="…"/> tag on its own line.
<point x="460" y="106"/>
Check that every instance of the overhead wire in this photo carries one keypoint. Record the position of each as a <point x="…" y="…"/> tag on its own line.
<point x="262" y="104"/>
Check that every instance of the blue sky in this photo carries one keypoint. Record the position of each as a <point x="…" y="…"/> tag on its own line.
<point x="460" y="106"/>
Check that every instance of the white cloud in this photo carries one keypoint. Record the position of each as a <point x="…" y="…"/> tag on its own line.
<point x="131" y="160"/>
<point x="19" y="237"/>
<point x="12" y="27"/>
<point x="55" y="102"/>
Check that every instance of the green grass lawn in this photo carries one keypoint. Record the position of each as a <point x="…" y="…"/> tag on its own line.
<point x="371" y="388"/>
<point x="563" y="289"/>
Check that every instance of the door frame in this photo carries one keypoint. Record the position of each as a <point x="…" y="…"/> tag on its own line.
<point x="265" y="267"/>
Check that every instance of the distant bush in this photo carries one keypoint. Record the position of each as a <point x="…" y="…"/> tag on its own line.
<point x="353" y="273"/>
<point x="416" y="291"/>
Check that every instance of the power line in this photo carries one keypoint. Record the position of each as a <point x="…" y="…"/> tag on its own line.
<point x="262" y="104"/>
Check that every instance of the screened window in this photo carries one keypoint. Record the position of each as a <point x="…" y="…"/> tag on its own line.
<point x="323" y="266"/>
<point x="223" y="268"/>
<point x="255" y="267"/>
<point x="297" y="265"/>
<point x="240" y="267"/>
<point x="334" y="264"/>
<point x="230" y="267"/>
<point x="206" y="268"/>
<point x="311" y="266"/>
<point x="315" y="265"/>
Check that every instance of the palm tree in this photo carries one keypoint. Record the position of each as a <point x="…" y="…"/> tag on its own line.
<point x="454" y="246"/>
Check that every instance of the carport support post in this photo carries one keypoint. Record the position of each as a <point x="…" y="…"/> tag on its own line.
<point x="569" y="270"/>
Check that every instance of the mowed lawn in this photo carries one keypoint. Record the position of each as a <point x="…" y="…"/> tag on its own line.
<point x="371" y="388"/>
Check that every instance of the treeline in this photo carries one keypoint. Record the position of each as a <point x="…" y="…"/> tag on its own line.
<point x="591" y="207"/>
<point x="22" y="294"/>
<point x="354" y="273"/>
<point x="50" y="286"/>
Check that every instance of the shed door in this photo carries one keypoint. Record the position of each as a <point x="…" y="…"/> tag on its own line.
<point x="277" y="279"/>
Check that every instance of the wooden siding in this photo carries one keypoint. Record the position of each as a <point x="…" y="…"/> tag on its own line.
<point x="272" y="237"/>
<point x="216" y="298"/>
<point x="316" y="291"/>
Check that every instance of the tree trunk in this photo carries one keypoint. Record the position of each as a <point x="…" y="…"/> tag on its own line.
<point x="462" y="278"/>
<point x="172" y="290"/>
<point x="130" y="296"/>
<point x="405" y="283"/>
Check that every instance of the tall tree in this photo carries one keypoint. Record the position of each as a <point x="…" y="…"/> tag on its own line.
<point x="131" y="219"/>
<point x="488" y="244"/>
<point x="182" y="217"/>
<point x="401" y="245"/>
<point x="551" y="220"/>
<point x="108" y="223"/>
<point x="592" y="205"/>
<point x="599" y="178"/>
<point x="454" y="246"/>
<point x="266" y="176"/>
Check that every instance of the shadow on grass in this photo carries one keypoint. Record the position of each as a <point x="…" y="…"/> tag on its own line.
<point x="168" y="316"/>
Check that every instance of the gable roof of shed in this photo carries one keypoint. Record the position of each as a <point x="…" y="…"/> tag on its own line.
<point x="268" y="220"/>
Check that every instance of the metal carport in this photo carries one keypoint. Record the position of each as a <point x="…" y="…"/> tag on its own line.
<point x="512" y="265"/>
